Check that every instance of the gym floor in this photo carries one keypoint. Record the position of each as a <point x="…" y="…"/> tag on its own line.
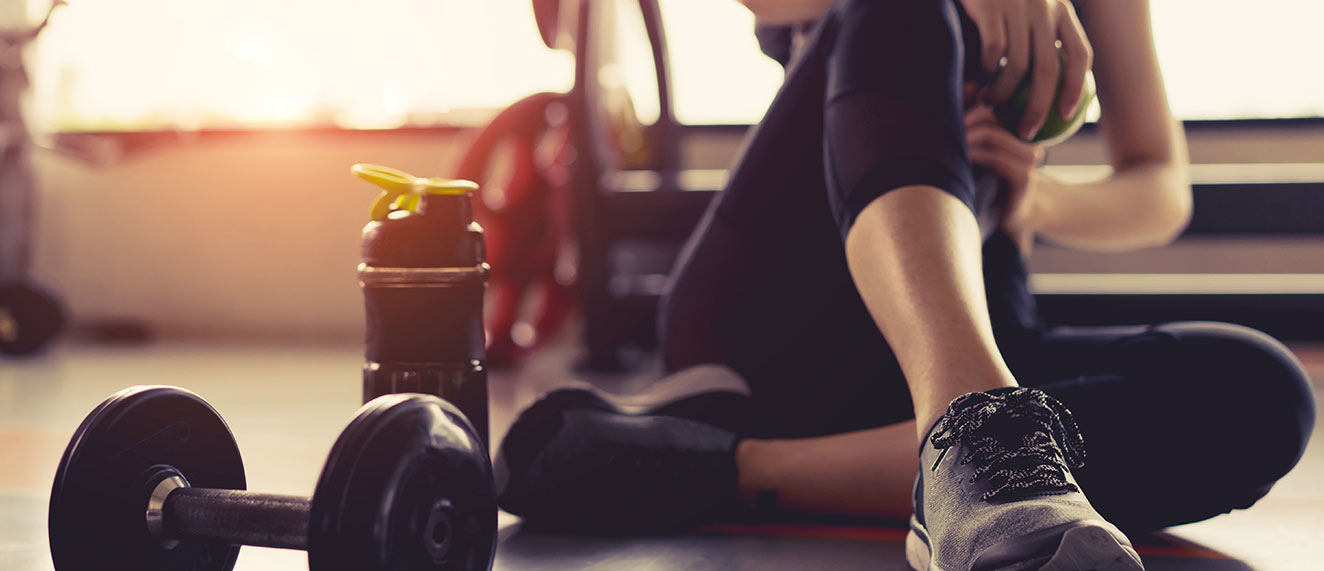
<point x="286" y="404"/>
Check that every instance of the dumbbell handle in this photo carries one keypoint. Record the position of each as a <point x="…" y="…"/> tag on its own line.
<point x="236" y="517"/>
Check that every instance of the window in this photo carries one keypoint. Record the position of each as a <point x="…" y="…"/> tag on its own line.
<point x="719" y="75"/>
<point x="183" y="64"/>
<point x="1226" y="59"/>
<point x="152" y="64"/>
<point x="1221" y="59"/>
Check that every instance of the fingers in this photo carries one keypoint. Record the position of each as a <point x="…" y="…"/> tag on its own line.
<point x="969" y="91"/>
<point x="1079" y="59"/>
<point x="997" y="162"/>
<point x="1007" y="167"/>
<point x="992" y="146"/>
<point x="1044" y="75"/>
<point x="987" y="138"/>
<point x="1017" y="54"/>
<point x="977" y="115"/>
<point x="993" y="41"/>
<point x="1021" y="37"/>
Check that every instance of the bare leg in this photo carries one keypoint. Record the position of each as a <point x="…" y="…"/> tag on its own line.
<point x="868" y="473"/>
<point x="914" y="254"/>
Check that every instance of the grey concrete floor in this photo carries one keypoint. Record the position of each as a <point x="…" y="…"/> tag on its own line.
<point x="286" y="404"/>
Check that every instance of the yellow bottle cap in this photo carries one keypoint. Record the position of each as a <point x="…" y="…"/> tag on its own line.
<point x="402" y="191"/>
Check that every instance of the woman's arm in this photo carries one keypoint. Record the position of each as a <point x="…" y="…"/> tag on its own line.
<point x="786" y="12"/>
<point x="1146" y="201"/>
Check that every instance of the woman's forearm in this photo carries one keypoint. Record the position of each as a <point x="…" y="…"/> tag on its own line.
<point x="1141" y="205"/>
<point x="1146" y="201"/>
<point x="786" y="12"/>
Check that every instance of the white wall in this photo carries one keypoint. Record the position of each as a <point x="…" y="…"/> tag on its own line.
<point x="256" y="235"/>
<point x="241" y="234"/>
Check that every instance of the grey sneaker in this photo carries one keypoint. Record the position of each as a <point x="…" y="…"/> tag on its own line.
<point x="995" y="491"/>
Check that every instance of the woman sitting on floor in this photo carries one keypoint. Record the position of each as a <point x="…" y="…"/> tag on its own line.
<point x="859" y="289"/>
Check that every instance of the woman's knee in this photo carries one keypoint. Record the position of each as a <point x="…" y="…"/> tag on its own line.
<point x="893" y="115"/>
<point x="910" y="49"/>
<point x="1253" y="385"/>
<point x="1224" y="403"/>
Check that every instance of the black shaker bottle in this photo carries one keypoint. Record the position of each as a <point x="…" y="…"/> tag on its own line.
<point x="423" y="275"/>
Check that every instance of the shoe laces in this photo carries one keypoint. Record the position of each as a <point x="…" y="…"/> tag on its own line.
<point x="1021" y="439"/>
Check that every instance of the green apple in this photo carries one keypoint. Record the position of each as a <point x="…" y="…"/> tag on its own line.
<point x="1056" y="127"/>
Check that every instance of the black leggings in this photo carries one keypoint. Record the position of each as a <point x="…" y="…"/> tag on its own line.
<point x="1182" y="421"/>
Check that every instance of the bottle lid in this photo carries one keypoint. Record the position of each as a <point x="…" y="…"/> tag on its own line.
<point x="419" y="222"/>
<point x="402" y="191"/>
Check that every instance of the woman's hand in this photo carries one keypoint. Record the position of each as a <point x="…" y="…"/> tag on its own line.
<point x="1014" y="160"/>
<point x="1019" y="37"/>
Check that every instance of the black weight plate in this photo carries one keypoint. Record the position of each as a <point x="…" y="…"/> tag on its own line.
<point x="407" y="486"/>
<point x="99" y="500"/>
<point x="29" y="318"/>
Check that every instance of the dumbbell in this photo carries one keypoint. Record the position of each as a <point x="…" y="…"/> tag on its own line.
<point x="152" y="480"/>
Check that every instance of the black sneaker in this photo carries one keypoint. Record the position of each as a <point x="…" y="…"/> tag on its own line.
<point x="572" y="462"/>
<point x="995" y="491"/>
<point x="711" y="394"/>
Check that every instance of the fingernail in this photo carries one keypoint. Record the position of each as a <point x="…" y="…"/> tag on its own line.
<point x="1029" y="133"/>
<point x="1070" y="110"/>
